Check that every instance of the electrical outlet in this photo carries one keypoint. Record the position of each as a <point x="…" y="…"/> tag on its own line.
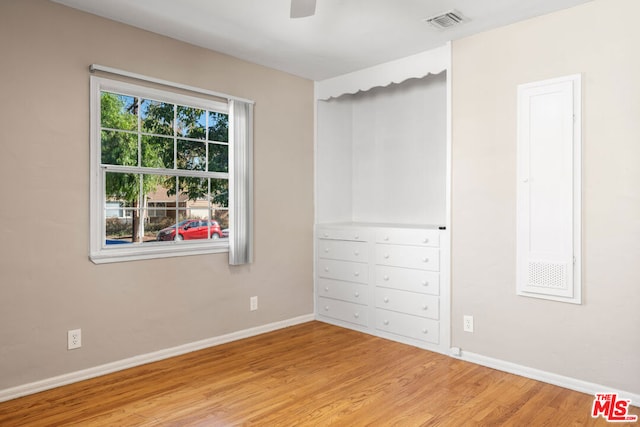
<point x="253" y="303"/>
<point x="74" y="339"/>
<point x="468" y="323"/>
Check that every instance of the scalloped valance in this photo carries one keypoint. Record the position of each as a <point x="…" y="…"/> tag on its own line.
<point x="420" y="65"/>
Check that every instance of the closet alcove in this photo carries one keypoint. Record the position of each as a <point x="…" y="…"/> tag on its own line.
<point x="382" y="200"/>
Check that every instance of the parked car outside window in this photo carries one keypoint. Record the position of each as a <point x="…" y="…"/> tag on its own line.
<point x="191" y="229"/>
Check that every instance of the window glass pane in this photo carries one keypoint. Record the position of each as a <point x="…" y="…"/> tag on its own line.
<point x="118" y="148"/>
<point x="157" y="152"/>
<point x="221" y="216"/>
<point x="219" y="206"/>
<point x="119" y="215"/>
<point x="187" y="189"/>
<point x="191" y="122"/>
<point x="118" y="111"/>
<point x="218" y="127"/>
<point x="191" y="155"/>
<point x="159" y="209"/>
<point x="193" y="196"/>
<point x="220" y="193"/>
<point x="122" y="187"/>
<point x="118" y="222"/>
<point x="192" y="189"/>
<point x="160" y="191"/>
<point x="157" y="117"/>
<point x="161" y="196"/>
<point x="218" y="158"/>
<point x="117" y="230"/>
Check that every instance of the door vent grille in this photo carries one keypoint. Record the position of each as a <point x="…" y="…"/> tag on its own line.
<point x="446" y="20"/>
<point x="548" y="275"/>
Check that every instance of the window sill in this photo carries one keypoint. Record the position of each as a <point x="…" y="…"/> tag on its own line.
<point x="111" y="255"/>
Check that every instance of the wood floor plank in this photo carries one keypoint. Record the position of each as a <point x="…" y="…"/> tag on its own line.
<point x="310" y="374"/>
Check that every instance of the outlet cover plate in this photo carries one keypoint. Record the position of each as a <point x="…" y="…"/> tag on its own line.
<point x="468" y="323"/>
<point x="74" y="339"/>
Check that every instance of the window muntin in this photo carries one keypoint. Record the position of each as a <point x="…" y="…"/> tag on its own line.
<point x="159" y="158"/>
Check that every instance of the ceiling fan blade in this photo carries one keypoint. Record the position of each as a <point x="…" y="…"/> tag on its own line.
<point x="302" y="8"/>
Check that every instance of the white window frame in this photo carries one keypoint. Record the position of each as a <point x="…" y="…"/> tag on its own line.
<point x="99" y="251"/>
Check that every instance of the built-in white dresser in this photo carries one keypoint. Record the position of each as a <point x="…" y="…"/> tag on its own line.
<point x="407" y="280"/>
<point x="343" y="275"/>
<point x="382" y="280"/>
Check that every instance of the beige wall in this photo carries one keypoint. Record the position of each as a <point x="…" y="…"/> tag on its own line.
<point x="48" y="285"/>
<point x="598" y="341"/>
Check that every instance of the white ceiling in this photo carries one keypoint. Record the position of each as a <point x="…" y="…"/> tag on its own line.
<point x="343" y="36"/>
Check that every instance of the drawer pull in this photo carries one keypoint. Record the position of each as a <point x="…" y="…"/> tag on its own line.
<point x="356" y="253"/>
<point x="326" y="269"/>
<point x="356" y="315"/>
<point x="326" y="308"/>
<point x="386" y="256"/>
<point x="386" y="238"/>
<point x="356" y="237"/>
<point x="386" y="322"/>
<point x="326" y="250"/>
<point x="356" y="273"/>
<point x="425" y="259"/>
<point x="357" y="294"/>
<point x="426" y="240"/>
<point x="326" y="234"/>
<point x="425" y="283"/>
<point x="425" y="331"/>
<point x="386" y="299"/>
<point x="425" y="307"/>
<point x="326" y="289"/>
<point x="386" y="278"/>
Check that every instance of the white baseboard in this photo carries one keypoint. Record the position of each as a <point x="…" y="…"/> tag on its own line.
<point x="547" y="377"/>
<point x="72" y="377"/>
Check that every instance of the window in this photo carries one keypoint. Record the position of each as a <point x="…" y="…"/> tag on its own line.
<point x="161" y="173"/>
<point x="157" y="209"/>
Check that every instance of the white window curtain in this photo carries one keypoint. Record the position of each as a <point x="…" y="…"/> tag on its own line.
<point x="241" y="189"/>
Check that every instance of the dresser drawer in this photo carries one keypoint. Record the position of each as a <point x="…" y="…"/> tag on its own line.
<point x="422" y="258"/>
<point x="343" y="270"/>
<point x="421" y="281"/>
<point x="346" y="291"/>
<point x="339" y="233"/>
<point x="408" y="236"/>
<point x="408" y="302"/>
<point x="342" y="310"/>
<point x="343" y="250"/>
<point x="406" y="325"/>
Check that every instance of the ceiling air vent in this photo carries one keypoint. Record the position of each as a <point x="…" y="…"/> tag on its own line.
<point x="446" y="20"/>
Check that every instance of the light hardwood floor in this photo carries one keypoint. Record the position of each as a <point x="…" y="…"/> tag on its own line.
<point x="310" y="374"/>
